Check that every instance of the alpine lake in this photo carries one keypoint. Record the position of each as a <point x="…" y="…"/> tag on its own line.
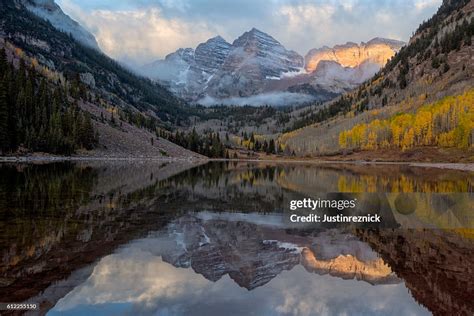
<point x="179" y="238"/>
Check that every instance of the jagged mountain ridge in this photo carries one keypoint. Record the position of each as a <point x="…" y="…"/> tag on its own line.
<point x="256" y="63"/>
<point x="343" y="67"/>
<point x="211" y="55"/>
<point x="187" y="71"/>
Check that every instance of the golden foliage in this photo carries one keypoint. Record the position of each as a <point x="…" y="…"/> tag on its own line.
<point x="446" y="123"/>
<point x="401" y="183"/>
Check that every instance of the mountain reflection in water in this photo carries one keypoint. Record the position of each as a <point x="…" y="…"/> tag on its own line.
<point x="173" y="238"/>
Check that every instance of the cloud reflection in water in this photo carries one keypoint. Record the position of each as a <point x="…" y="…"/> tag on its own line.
<point x="136" y="281"/>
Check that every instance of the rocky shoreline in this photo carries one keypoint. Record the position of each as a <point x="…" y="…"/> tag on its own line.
<point x="52" y="158"/>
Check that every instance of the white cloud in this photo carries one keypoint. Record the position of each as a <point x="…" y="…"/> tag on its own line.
<point x="142" y="31"/>
<point x="424" y="4"/>
<point x="273" y="99"/>
<point x="383" y="17"/>
<point x="307" y="13"/>
<point x="142" y="35"/>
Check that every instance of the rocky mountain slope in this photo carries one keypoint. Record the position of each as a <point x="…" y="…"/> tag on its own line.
<point x="187" y="71"/>
<point x="257" y="64"/>
<point x="437" y="62"/>
<point x="49" y="10"/>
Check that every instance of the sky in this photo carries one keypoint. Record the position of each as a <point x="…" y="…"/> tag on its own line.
<point x="140" y="31"/>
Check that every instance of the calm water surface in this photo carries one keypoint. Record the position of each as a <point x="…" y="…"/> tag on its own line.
<point x="116" y="238"/>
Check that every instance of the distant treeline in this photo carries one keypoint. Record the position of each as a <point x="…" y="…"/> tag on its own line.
<point x="37" y="115"/>
<point x="208" y="144"/>
<point x="260" y="144"/>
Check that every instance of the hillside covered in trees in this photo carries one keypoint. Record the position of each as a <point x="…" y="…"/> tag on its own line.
<point x="446" y="123"/>
<point x="38" y="116"/>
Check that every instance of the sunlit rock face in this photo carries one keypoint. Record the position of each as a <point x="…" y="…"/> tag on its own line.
<point x="376" y="51"/>
<point x="344" y="67"/>
<point x="349" y="267"/>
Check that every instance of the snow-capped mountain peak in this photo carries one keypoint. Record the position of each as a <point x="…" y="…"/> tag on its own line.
<point x="254" y="57"/>
<point x="210" y="56"/>
<point x="257" y="64"/>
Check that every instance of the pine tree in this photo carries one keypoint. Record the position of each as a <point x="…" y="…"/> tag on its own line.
<point x="4" y="141"/>
<point x="3" y="61"/>
<point x="88" y="133"/>
<point x="271" y="147"/>
<point x="257" y="146"/>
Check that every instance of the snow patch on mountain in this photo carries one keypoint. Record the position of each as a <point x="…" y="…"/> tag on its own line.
<point x="188" y="71"/>
<point x="284" y="245"/>
<point x="291" y="74"/>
